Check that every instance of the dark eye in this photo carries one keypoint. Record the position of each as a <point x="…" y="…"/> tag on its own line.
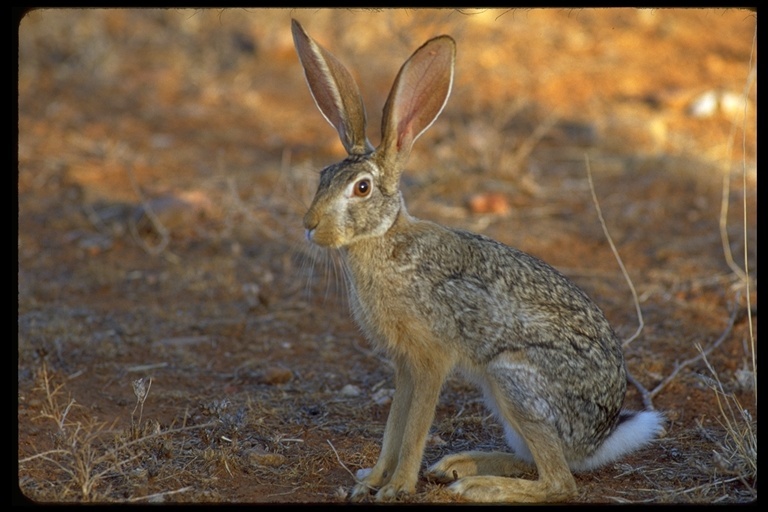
<point x="362" y="188"/>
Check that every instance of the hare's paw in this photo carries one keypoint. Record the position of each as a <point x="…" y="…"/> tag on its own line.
<point x="362" y="488"/>
<point x="477" y="489"/>
<point x="393" y="491"/>
<point x="368" y="481"/>
<point x="360" y="492"/>
<point x="495" y="489"/>
<point x="452" y="467"/>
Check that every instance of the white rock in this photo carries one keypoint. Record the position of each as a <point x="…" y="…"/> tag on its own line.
<point x="350" y="390"/>
<point x="705" y="105"/>
<point x="383" y="396"/>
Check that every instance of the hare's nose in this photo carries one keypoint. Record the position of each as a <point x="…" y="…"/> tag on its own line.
<point x="310" y="225"/>
<point x="311" y="221"/>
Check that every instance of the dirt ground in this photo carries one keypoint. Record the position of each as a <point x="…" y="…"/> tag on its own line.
<point x="180" y="341"/>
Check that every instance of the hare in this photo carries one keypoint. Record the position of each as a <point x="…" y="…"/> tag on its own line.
<point x="437" y="299"/>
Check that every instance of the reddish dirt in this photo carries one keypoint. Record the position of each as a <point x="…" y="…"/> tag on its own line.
<point x="166" y="158"/>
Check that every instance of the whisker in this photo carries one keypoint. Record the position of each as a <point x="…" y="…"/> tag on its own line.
<point x="346" y="281"/>
<point x="333" y="276"/>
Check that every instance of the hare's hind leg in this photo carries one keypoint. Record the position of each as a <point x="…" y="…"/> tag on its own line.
<point x="492" y="476"/>
<point x="471" y="463"/>
<point x="555" y="482"/>
<point x="516" y="393"/>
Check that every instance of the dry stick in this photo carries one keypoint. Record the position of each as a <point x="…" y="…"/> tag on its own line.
<point x="51" y="408"/>
<point x="744" y="207"/>
<point x="644" y="393"/>
<point x="156" y="224"/>
<point x="616" y="254"/>
<point x="731" y="419"/>
<point x="723" y="228"/>
<point x="141" y="390"/>
<point x="743" y="274"/>
<point x="161" y="494"/>
<point x="703" y="353"/>
<point x="724" y="203"/>
<point x="528" y="145"/>
<point x="344" y="466"/>
<point x="123" y="446"/>
<point x="646" y="397"/>
<point x="286" y="493"/>
<point x="241" y="208"/>
<point x="339" y="459"/>
<point x="674" y="492"/>
<point x="94" y="218"/>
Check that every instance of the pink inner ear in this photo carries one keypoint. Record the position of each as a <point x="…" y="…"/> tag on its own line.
<point x="404" y="132"/>
<point x="420" y="96"/>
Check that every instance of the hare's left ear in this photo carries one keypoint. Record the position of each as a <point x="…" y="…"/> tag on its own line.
<point x="334" y="90"/>
<point x="418" y="95"/>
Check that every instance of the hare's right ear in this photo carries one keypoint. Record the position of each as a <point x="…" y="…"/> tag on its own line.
<point x="334" y="90"/>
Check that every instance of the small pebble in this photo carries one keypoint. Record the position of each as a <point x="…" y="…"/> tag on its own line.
<point x="274" y="375"/>
<point x="350" y="390"/>
<point x="491" y="202"/>
<point x="262" y="458"/>
<point x="383" y="396"/>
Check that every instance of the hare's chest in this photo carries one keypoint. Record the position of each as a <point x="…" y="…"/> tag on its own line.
<point x="388" y="305"/>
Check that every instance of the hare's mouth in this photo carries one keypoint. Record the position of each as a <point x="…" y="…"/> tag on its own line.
<point x="323" y="239"/>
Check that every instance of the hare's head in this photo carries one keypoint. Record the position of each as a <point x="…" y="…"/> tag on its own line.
<point x="359" y="197"/>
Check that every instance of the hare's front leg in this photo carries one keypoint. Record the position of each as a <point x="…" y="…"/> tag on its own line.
<point x="393" y="437"/>
<point x="417" y="388"/>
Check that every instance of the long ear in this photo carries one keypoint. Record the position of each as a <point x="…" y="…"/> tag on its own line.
<point x="418" y="95"/>
<point x="334" y="90"/>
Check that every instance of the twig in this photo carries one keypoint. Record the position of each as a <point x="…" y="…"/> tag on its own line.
<point x="708" y="485"/>
<point x="703" y="353"/>
<point x="146" y="367"/>
<point x="528" y="145"/>
<point x="163" y="433"/>
<point x="45" y="455"/>
<point x="161" y="494"/>
<point x="141" y="390"/>
<point x="743" y="274"/>
<point x="339" y="459"/>
<point x="345" y="467"/>
<point x="724" y="202"/>
<point x="286" y="493"/>
<point x="743" y="435"/>
<point x="93" y="217"/>
<point x="645" y="395"/>
<point x="127" y="444"/>
<point x="156" y="224"/>
<point x="744" y="213"/>
<point x="616" y="254"/>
